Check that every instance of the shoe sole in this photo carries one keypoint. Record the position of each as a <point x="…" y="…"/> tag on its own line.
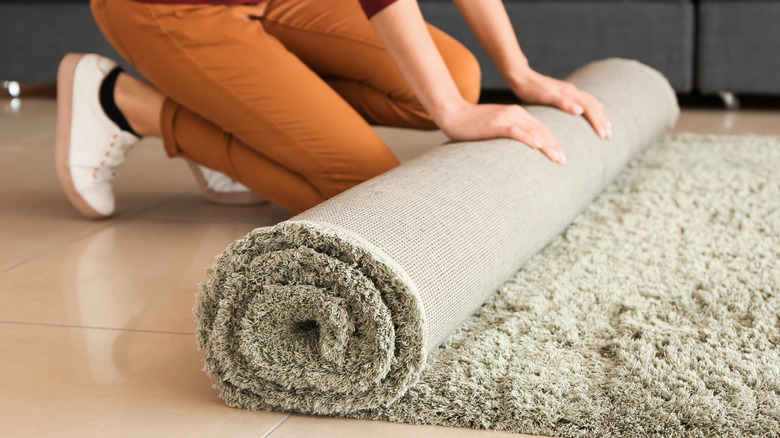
<point x="223" y="198"/>
<point x="65" y="75"/>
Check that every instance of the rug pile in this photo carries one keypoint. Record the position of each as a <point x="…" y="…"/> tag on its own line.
<point x="655" y="314"/>
<point x="337" y="309"/>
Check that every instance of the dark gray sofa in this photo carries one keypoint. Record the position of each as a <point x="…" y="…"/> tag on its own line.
<point x="739" y="46"/>
<point x="36" y="34"/>
<point x="704" y="45"/>
<point x="559" y="36"/>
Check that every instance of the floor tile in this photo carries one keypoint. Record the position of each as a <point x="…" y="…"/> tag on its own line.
<point x="136" y="274"/>
<point x="193" y="207"/>
<point x="26" y="118"/>
<point x="71" y="382"/>
<point x="37" y="216"/>
<point x="721" y="122"/>
<point x="304" y="426"/>
<point x="409" y="143"/>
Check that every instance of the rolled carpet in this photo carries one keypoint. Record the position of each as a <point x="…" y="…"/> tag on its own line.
<point x="336" y="309"/>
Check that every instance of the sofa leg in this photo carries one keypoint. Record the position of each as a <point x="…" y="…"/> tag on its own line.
<point x="730" y="100"/>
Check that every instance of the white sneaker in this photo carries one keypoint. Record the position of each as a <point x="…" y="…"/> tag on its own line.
<point x="221" y="189"/>
<point x="89" y="145"/>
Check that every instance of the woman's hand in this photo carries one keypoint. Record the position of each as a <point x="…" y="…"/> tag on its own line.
<point x="536" y="88"/>
<point x="467" y="121"/>
<point x="402" y="30"/>
<point x="490" y="23"/>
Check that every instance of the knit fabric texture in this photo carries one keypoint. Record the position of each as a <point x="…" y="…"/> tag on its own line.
<point x="337" y="309"/>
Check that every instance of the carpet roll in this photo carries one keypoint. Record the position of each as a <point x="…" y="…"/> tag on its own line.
<point x="336" y="309"/>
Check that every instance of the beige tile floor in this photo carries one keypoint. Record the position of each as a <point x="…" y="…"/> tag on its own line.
<point x="95" y="316"/>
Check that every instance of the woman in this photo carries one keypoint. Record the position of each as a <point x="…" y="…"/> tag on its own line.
<point x="280" y="95"/>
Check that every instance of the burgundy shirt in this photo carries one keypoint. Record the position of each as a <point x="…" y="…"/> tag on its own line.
<point x="370" y="7"/>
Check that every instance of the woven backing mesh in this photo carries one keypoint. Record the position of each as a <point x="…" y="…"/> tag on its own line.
<point x="462" y="218"/>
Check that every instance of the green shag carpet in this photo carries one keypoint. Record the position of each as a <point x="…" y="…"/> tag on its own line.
<point x="655" y="314"/>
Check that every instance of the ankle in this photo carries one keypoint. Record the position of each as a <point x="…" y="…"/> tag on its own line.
<point x="108" y="102"/>
<point x="140" y="104"/>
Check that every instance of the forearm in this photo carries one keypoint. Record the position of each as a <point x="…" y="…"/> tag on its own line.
<point x="490" y="23"/>
<point x="406" y="38"/>
<point x="403" y="31"/>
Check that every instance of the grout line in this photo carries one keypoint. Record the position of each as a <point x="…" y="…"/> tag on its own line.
<point x="146" y="210"/>
<point x="276" y="426"/>
<point x="96" y="328"/>
<point x="56" y="248"/>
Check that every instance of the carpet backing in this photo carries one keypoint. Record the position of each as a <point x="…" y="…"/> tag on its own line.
<point x="337" y="309"/>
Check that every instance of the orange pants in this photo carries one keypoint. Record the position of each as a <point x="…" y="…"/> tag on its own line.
<point x="279" y="96"/>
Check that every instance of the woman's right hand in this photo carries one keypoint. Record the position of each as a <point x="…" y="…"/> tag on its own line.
<point x="466" y="121"/>
<point x="402" y="30"/>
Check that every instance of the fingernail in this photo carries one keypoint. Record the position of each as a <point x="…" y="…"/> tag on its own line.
<point x="609" y="132"/>
<point x="563" y="159"/>
<point x="577" y="109"/>
<point x="538" y="143"/>
<point x="602" y="133"/>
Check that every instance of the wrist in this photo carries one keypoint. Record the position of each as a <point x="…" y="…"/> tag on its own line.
<point x="518" y="76"/>
<point x="445" y="112"/>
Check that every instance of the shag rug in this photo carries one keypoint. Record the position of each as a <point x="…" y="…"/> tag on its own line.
<point x="655" y="314"/>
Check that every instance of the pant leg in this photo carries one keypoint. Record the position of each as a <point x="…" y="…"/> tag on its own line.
<point x="240" y="103"/>
<point x="336" y="40"/>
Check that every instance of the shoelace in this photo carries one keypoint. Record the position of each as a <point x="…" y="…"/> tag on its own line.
<point x="113" y="157"/>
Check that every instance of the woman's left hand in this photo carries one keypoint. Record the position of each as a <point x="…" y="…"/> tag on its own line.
<point x="535" y="88"/>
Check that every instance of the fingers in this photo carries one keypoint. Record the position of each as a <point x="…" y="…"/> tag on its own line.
<point x="567" y="97"/>
<point x="577" y="102"/>
<point x="535" y="134"/>
<point x="483" y="121"/>
<point x="569" y="105"/>
<point x="594" y="113"/>
<point x="549" y="145"/>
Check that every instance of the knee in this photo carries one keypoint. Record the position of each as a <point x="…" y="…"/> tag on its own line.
<point x="467" y="75"/>
<point x="405" y="109"/>
<point x="464" y="69"/>
<point x="358" y="168"/>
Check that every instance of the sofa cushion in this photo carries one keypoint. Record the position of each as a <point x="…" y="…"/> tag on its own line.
<point x="738" y="46"/>
<point x="559" y="36"/>
<point x="36" y="36"/>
